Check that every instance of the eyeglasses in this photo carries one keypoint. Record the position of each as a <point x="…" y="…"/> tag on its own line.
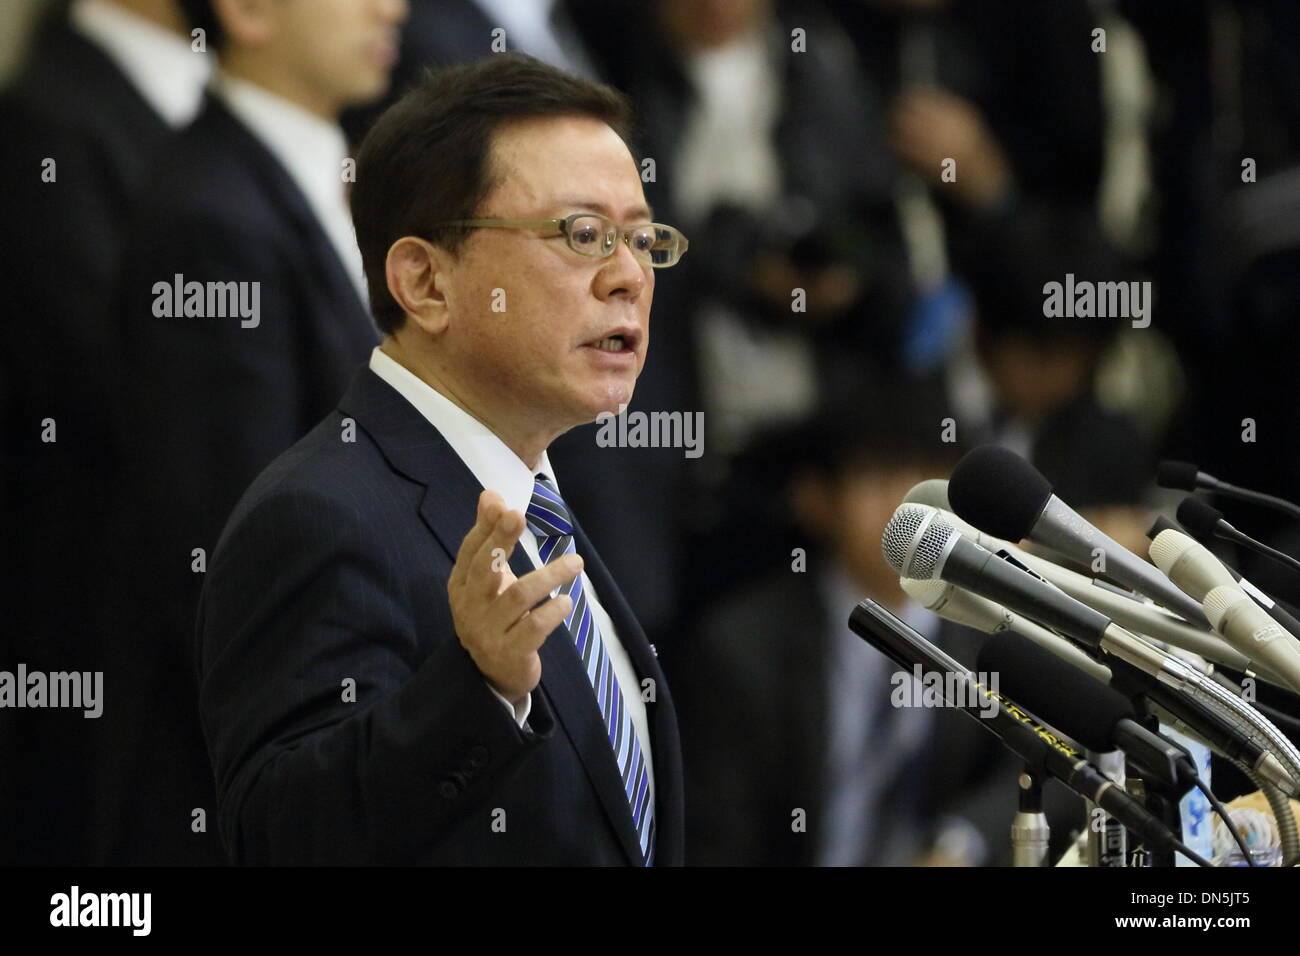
<point x="589" y="234"/>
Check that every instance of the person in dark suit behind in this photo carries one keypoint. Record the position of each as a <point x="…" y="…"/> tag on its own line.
<point x="836" y="766"/>
<point x="104" y="85"/>
<point x="384" y="678"/>
<point x="243" y="311"/>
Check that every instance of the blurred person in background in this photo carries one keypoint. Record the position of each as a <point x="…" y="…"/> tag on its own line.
<point x="1009" y="89"/>
<point x="879" y="784"/>
<point x="768" y="140"/>
<point x="1040" y="372"/>
<point x="104" y="86"/>
<point x="251" y="201"/>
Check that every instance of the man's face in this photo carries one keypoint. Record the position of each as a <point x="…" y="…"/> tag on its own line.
<point x="867" y="499"/>
<point x="525" y="311"/>
<point x="344" y="49"/>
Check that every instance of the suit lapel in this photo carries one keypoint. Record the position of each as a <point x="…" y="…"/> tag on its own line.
<point x="416" y="449"/>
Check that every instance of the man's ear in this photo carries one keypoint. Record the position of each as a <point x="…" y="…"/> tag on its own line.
<point x="416" y="271"/>
<point x="250" y="23"/>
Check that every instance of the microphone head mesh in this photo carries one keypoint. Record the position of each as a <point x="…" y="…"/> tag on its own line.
<point x="1167" y="547"/>
<point x="910" y="557"/>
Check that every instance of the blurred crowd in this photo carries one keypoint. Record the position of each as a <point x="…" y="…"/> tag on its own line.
<point x="875" y="192"/>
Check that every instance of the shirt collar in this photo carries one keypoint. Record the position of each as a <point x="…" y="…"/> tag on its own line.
<point x="487" y="456"/>
<point x="310" y="149"/>
<point x="158" y="63"/>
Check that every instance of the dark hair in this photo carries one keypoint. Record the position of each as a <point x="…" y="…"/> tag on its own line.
<point x="426" y="159"/>
<point x="201" y="15"/>
<point x="889" y="421"/>
<point x="1041" y="245"/>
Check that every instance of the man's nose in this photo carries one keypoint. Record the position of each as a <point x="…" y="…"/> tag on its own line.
<point x="621" y="274"/>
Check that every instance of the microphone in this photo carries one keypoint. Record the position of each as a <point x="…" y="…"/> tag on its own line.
<point x="1122" y="607"/>
<point x="1277" y="609"/>
<point x="1097" y="716"/>
<point x="932" y="492"/>
<point x="1043" y="751"/>
<point x="962" y="607"/>
<point x="1246" y="626"/>
<point x="1188" y="564"/>
<point x="919" y="543"/>
<point x="1195" y="569"/>
<point x="1185" y="476"/>
<point x="1191" y="566"/>
<point x="999" y="492"/>
<point x="1204" y="521"/>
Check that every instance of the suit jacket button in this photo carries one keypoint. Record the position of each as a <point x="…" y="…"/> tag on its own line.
<point x="478" y="757"/>
<point x="449" y="790"/>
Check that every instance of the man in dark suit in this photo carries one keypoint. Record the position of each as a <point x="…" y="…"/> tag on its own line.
<point x="104" y="85"/>
<point x="401" y="657"/>
<point x="243" y="311"/>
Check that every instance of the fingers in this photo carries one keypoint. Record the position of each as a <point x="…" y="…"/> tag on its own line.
<point x="490" y="506"/>
<point x="519" y="598"/>
<point x="486" y="566"/>
<point x="530" y="631"/>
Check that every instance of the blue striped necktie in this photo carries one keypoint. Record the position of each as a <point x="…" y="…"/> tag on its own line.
<point x="550" y="521"/>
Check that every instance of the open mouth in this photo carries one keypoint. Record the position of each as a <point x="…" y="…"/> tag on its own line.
<point x="623" y="341"/>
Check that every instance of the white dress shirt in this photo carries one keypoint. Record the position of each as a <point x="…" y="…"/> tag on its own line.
<point x="311" y="150"/>
<point x="158" y="63"/>
<point x="500" y="469"/>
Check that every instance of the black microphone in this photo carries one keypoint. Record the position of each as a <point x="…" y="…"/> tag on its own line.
<point x="1043" y="750"/>
<point x="1002" y="494"/>
<point x="1099" y="717"/>
<point x="1185" y="476"/>
<point x="1202" y="520"/>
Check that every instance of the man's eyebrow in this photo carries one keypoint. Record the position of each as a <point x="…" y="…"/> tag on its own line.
<point x="641" y="212"/>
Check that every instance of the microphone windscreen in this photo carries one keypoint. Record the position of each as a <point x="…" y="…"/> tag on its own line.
<point x="1177" y="474"/>
<point x="998" y="492"/>
<point x="1161" y="524"/>
<point x="1199" y="518"/>
<point x="1054" y="691"/>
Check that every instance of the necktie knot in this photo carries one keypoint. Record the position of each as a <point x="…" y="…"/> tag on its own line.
<point x="548" y="516"/>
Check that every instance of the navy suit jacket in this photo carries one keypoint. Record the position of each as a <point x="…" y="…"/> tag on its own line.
<point x="332" y="573"/>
